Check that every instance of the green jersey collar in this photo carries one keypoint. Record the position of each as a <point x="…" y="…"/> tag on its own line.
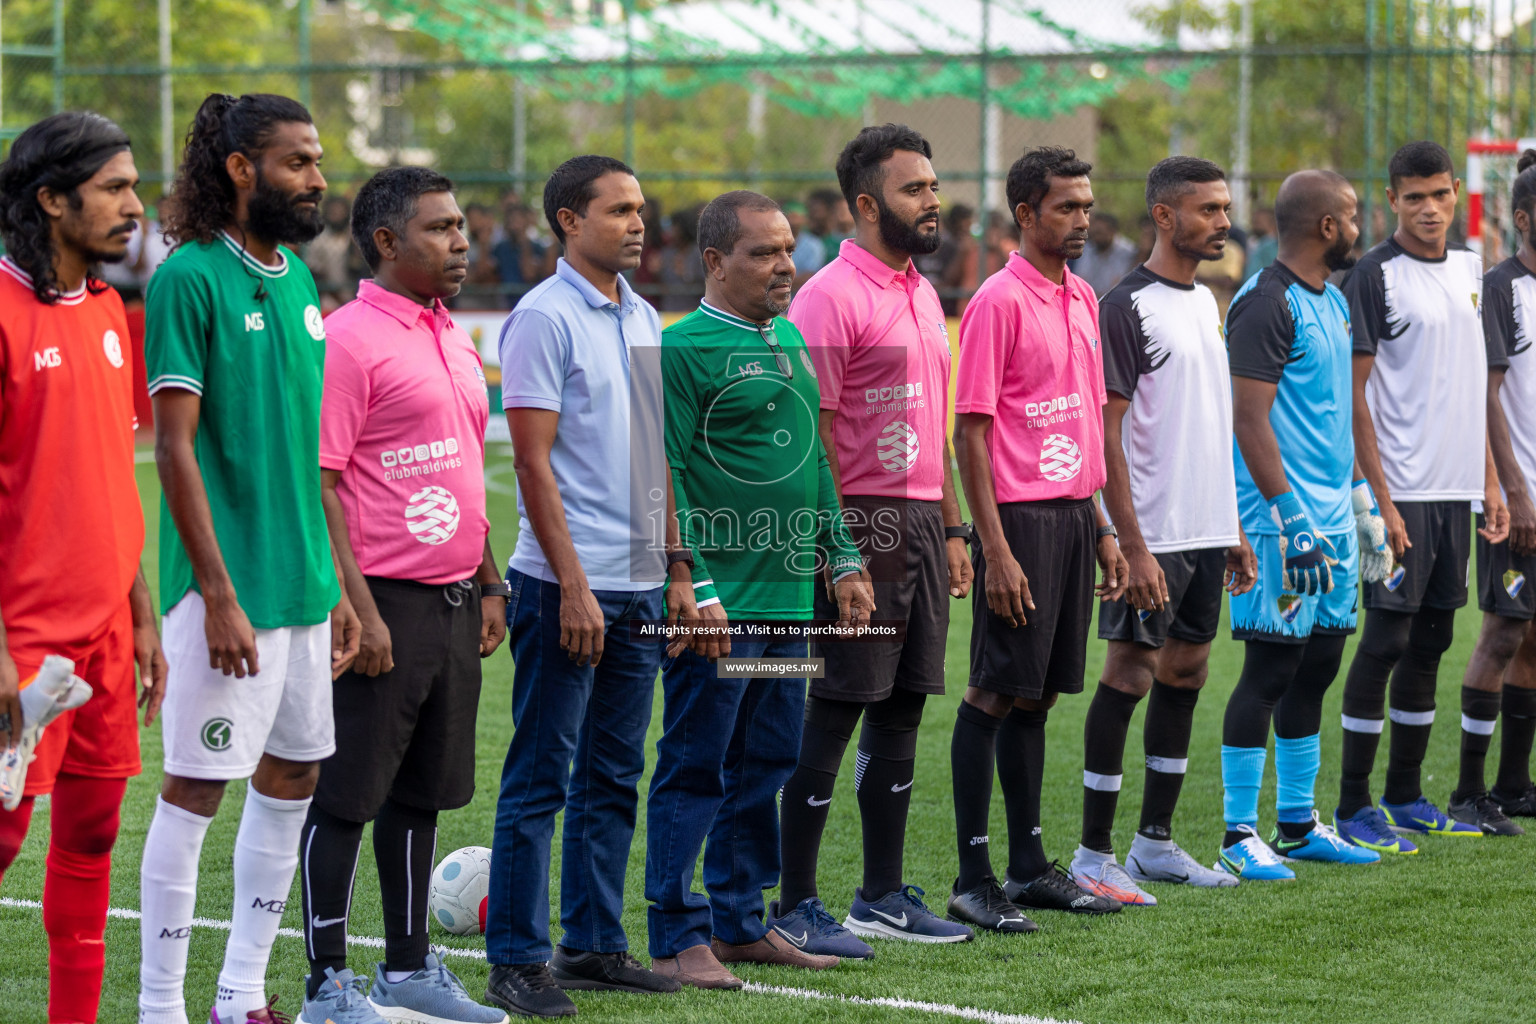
<point x="251" y="261"/>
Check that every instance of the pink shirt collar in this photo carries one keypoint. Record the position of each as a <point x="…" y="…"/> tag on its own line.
<point x="408" y="311"/>
<point x="872" y="267"/>
<point x="1042" y="286"/>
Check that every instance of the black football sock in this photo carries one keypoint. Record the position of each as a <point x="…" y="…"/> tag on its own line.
<point x="327" y="865"/>
<point x="1109" y="716"/>
<point x="883" y="782"/>
<point x="1165" y="737"/>
<point x="1412" y="703"/>
<point x="1021" y="772"/>
<point x="1519" y="707"/>
<point x="972" y="761"/>
<point x="405" y="847"/>
<point x="1479" y="716"/>
<point x="1382" y="643"/>
<point x="807" y="796"/>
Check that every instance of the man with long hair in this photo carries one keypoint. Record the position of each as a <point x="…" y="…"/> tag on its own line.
<point x="66" y="386"/>
<point x="235" y="349"/>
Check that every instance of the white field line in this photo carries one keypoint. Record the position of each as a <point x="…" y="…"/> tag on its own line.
<point x="943" y="1009"/>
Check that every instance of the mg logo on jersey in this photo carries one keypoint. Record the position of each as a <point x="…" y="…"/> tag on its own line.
<point x="255" y="322"/>
<point x="1060" y="458"/>
<point x="805" y="361"/>
<point x="314" y="322"/>
<point x="432" y="515"/>
<point x="47" y="359"/>
<point x="218" y="733"/>
<point x="112" y="345"/>
<point x="896" y="448"/>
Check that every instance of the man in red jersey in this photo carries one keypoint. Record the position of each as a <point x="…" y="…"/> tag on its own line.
<point x="67" y="499"/>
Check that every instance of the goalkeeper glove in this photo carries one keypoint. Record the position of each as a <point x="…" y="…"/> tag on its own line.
<point x="1375" y="555"/>
<point x="1309" y="557"/>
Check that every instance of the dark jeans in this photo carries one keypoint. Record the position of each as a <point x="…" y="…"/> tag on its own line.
<point x="727" y="748"/>
<point x="578" y="745"/>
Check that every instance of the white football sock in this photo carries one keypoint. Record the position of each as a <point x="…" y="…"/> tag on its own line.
<point x="266" y="856"/>
<point x="168" y="899"/>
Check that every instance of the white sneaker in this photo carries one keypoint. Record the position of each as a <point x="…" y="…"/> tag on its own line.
<point x="1161" y="860"/>
<point x="1100" y="874"/>
<point x="54" y="690"/>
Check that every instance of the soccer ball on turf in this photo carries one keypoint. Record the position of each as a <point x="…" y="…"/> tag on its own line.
<point x="460" y="886"/>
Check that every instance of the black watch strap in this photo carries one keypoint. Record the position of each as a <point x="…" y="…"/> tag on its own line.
<point x="496" y="590"/>
<point x="965" y="531"/>
<point x="683" y="555"/>
<point x="1107" y="530"/>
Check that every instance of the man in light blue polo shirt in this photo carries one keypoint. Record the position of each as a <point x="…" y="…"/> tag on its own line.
<point x="581" y="376"/>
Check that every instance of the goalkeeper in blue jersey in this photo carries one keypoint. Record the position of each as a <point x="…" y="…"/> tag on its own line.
<point x="1314" y="532"/>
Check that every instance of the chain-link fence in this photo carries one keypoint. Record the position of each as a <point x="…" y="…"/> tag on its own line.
<point x="705" y="95"/>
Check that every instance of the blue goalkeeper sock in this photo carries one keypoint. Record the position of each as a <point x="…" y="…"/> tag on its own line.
<point x="1242" y="772"/>
<point x="1296" y="766"/>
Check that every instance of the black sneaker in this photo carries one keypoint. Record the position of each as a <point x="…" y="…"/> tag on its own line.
<point x="1517" y="805"/>
<point x="1055" y="890"/>
<point x="985" y="906"/>
<point x="1484" y="812"/>
<point x="605" y="972"/>
<point x="528" y="990"/>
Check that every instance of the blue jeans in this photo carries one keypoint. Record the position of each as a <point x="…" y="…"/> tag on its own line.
<point x="727" y="748"/>
<point x="578" y="745"/>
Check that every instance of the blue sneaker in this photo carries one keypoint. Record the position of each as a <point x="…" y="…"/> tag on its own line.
<point x="341" y="1000"/>
<point x="902" y="915"/>
<point x="1321" y="844"/>
<point x="433" y="995"/>
<point x="1423" y="816"/>
<point x="810" y="929"/>
<point x="1252" y="860"/>
<point x="1367" y="828"/>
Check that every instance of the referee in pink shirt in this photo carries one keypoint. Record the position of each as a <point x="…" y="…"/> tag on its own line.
<point x="1029" y="435"/>
<point x="402" y="456"/>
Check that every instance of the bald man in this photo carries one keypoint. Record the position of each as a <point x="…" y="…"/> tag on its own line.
<point x="1289" y="354"/>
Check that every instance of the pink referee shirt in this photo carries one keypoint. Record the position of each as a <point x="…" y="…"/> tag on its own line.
<point x="880" y="346"/>
<point x="403" y="418"/>
<point x="1030" y="359"/>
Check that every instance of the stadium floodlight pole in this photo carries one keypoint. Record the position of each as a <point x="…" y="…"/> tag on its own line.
<point x="167" y="110"/>
<point x="1242" y="146"/>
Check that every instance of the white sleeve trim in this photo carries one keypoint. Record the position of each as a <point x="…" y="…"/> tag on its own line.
<point x="707" y="602"/>
<point x="174" y="380"/>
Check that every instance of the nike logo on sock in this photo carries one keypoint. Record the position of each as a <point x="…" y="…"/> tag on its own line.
<point x="317" y="923"/>
<point x="817" y="803"/>
<point x="898" y="789"/>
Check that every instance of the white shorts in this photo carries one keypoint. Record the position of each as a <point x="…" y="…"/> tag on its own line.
<point x="217" y="727"/>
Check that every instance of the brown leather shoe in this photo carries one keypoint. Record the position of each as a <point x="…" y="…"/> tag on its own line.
<point x="696" y="966"/>
<point x="770" y="949"/>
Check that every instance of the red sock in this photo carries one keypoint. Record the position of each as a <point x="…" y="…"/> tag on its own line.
<point x="13" y="832"/>
<point x="76" y="891"/>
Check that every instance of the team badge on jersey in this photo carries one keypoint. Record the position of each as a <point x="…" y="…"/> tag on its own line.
<point x="112" y="345"/>
<point x="432" y="515"/>
<point x="314" y="323"/>
<point x="1395" y="577"/>
<point x="896" y="447"/>
<point x="1060" y="458"/>
<point x="1514" y="582"/>
<point x="805" y="361"/>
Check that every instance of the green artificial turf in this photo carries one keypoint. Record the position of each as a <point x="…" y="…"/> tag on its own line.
<point x="1444" y="936"/>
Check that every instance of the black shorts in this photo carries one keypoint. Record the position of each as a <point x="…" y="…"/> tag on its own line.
<point x="1506" y="582"/>
<point x="1053" y="542"/>
<point x="1435" y="570"/>
<point x="409" y="734"/>
<point x="904" y="548"/>
<point x="1193" y="611"/>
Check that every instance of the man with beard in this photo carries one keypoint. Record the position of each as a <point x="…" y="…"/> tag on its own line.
<point x="1423" y="367"/>
<point x="1288" y="350"/>
<point x="1170" y="493"/>
<point x="409" y="528"/>
<point x="875" y="331"/>
<point x="68" y="498"/>
<point x="256" y="625"/>
<point x="758" y="511"/>
<point x="1029" y="432"/>
<point x="1505" y="656"/>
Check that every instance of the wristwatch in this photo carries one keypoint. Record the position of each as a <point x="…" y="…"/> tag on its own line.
<point x="681" y="555"/>
<point x="502" y="590"/>
<point x="965" y="532"/>
<point x="1107" y="530"/>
